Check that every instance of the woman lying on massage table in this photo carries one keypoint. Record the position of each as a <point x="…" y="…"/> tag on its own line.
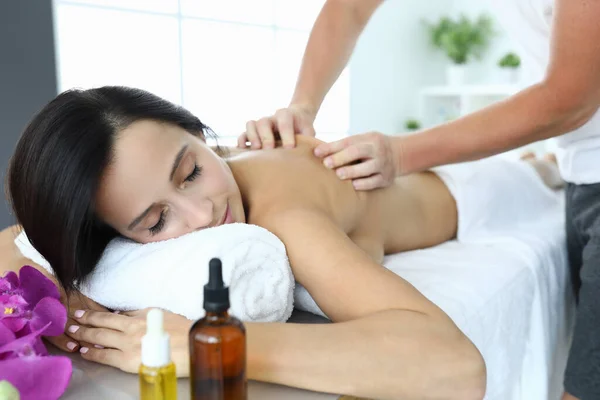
<point x="117" y="161"/>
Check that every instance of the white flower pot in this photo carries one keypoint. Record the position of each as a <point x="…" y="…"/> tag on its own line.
<point x="509" y="75"/>
<point x="455" y="74"/>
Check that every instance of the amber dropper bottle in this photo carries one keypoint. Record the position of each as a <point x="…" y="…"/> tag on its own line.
<point x="217" y="345"/>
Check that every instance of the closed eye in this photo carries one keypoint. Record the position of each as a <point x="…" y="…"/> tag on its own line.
<point x="195" y="173"/>
<point x="155" y="230"/>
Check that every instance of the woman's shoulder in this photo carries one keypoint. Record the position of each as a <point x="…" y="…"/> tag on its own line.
<point x="281" y="179"/>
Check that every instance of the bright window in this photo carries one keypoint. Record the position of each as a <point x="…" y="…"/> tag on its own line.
<point x="227" y="61"/>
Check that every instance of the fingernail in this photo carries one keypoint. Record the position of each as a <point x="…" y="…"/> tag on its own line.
<point x="73" y="328"/>
<point x="71" y="345"/>
<point x="317" y="152"/>
<point x="79" y="313"/>
<point x="328" y="162"/>
<point x="341" y="173"/>
<point x="117" y="312"/>
<point x="98" y="346"/>
<point x="83" y="350"/>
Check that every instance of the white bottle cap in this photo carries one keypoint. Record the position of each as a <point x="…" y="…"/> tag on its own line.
<point x="155" y="343"/>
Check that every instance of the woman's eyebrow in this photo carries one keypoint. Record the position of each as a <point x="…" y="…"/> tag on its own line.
<point x="177" y="161"/>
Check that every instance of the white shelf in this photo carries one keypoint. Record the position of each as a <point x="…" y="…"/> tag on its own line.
<point x="470" y="90"/>
<point x="438" y="104"/>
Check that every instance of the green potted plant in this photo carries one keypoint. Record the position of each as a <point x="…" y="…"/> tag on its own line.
<point x="412" y="125"/>
<point x="462" y="40"/>
<point x="509" y="68"/>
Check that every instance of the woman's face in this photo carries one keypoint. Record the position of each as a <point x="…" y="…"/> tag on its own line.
<point x="164" y="182"/>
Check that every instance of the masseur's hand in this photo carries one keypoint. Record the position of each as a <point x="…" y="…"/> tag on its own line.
<point x="370" y="159"/>
<point x="286" y="123"/>
<point x="76" y="301"/>
<point x="118" y="337"/>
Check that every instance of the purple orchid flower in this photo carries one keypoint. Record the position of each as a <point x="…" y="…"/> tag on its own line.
<point x="34" y="376"/>
<point x="14" y="311"/>
<point x="29" y="301"/>
<point x="31" y="284"/>
<point x="29" y="308"/>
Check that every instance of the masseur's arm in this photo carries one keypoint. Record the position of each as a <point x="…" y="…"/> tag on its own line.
<point x="564" y="100"/>
<point x="331" y="42"/>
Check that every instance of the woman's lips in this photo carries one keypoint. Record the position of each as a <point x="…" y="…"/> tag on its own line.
<point x="228" y="218"/>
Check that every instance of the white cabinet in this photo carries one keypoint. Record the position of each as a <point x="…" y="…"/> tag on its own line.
<point x="439" y="104"/>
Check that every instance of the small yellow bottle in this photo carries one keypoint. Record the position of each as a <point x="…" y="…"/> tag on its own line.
<point x="158" y="380"/>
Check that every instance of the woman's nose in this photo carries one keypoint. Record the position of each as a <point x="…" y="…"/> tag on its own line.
<point x="198" y="214"/>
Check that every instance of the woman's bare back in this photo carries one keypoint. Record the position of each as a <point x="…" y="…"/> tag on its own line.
<point x="416" y="212"/>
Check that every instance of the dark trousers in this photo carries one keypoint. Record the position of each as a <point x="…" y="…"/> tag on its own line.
<point x="582" y="376"/>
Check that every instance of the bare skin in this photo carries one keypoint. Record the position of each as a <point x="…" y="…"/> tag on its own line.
<point x="416" y="212"/>
<point x="335" y="238"/>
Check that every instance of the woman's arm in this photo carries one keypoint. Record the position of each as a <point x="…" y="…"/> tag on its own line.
<point x="11" y="258"/>
<point x="388" y="341"/>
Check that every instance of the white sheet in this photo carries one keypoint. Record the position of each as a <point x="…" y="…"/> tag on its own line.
<point x="505" y="281"/>
<point x="511" y="295"/>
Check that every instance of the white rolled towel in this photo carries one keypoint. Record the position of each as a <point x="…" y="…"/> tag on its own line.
<point x="171" y="274"/>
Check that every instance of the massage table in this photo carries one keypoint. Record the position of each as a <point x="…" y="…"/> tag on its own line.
<point x="511" y="296"/>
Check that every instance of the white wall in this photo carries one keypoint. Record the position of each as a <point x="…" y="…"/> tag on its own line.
<point x="391" y="62"/>
<point x="394" y="59"/>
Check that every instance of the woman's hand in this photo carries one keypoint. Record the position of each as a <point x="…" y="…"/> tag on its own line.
<point x="370" y="159"/>
<point x="75" y="301"/>
<point x="286" y="122"/>
<point x="117" y="338"/>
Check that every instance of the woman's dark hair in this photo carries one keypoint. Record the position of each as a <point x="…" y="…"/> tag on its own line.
<point x="56" y="168"/>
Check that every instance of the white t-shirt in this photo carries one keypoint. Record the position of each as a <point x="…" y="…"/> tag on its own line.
<point x="529" y="22"/>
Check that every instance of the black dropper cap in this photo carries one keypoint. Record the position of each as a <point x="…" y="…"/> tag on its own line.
<point x="216" y="294"/>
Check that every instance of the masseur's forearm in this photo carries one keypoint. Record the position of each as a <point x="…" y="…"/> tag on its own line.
<point x="567" y="97"/>
<point x="329" y="47"/>
<point x="389" y="355"/>
<point x="537" y="113"/>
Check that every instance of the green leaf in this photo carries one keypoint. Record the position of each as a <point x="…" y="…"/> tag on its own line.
<point x="462" y="39"/>
<point x="510" y="60"/>
<point x="412" y="124"/>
